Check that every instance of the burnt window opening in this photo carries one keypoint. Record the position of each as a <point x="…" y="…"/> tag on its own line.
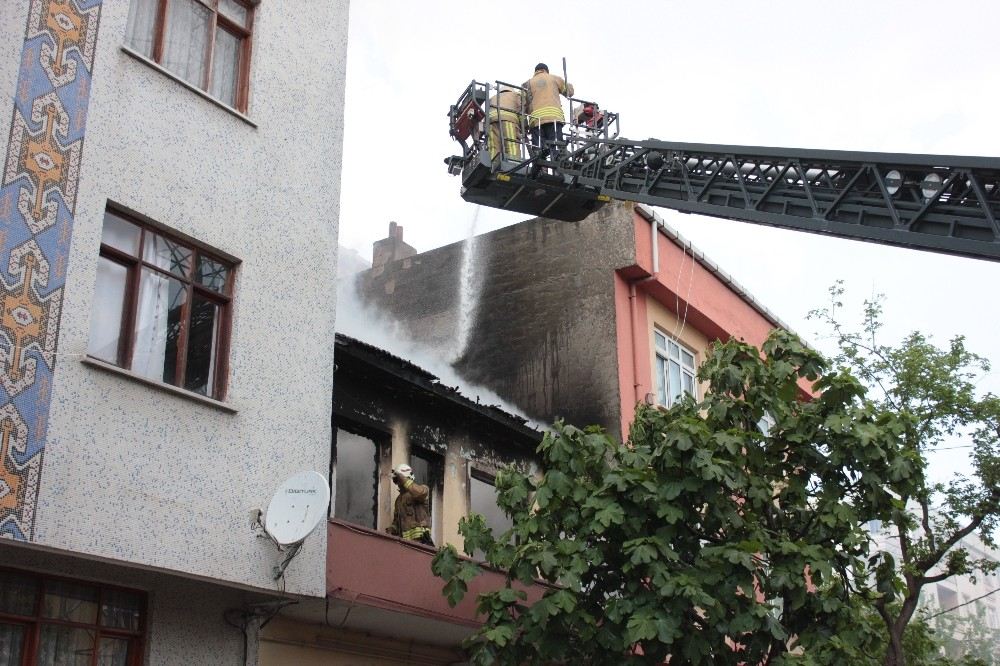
<point x="428" y="469"/>
<point x="483" y="500"/>
<point x="355" y="461"/>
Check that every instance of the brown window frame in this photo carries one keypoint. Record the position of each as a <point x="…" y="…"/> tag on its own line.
<point x="134" y="266"/>
<point x="34" y="622"/>
<point x="219" y="20"/>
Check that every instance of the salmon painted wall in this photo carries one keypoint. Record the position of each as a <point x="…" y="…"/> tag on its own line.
<point x="709" y="308"/>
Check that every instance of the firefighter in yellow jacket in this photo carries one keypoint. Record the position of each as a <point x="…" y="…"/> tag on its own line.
<point x="546" y="118"/>
<point x="411" y="517"/>
<point x="505" y="122"/>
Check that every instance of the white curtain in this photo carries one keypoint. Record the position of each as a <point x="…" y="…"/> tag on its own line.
<point x="11" y="644"/>
<point x="186" y="40"/>
<point x="106" y="312"/>
<point x="141" y="23"/>
<point x="152" y="326"/>
<point x="225" y="66"/>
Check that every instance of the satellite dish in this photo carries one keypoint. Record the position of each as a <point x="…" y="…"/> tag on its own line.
<point x="297" y="507"/>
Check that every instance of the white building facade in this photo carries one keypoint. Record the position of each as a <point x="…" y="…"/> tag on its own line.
<point x="168" y="225"/>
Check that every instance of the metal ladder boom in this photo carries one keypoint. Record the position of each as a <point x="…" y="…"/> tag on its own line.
<point x="940" y="203"/>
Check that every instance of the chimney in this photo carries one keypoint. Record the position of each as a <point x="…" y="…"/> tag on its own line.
<point x="391" y="248"/>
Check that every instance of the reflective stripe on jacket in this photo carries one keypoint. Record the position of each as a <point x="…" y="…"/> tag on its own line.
<point x="544" y="104"/>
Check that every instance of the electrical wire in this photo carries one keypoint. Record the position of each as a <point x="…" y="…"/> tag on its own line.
<point x="948" y="610"/>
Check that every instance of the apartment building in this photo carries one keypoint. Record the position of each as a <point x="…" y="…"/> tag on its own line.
<point x="166" y="340"/>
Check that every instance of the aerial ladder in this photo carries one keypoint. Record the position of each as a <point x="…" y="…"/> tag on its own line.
<point x="941" y="203"/>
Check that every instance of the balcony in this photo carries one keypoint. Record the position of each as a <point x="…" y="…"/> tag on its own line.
<point x="383" y="585"/>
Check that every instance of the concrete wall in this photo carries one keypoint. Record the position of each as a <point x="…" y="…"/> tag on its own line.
<point x="542" y="331"/>
<point x="139" y="474"/>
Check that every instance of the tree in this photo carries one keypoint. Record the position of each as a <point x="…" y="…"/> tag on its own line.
<point x="708" y="537"/>
<point x="933" y="393"/>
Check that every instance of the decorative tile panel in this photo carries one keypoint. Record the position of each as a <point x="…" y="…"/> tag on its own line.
<point x="37" y="203"/>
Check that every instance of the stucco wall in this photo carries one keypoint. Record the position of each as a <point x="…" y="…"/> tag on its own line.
<point x="546" y="304"/>
<point x="139" y="474"/>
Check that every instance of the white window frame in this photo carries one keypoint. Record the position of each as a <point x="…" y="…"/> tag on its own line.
<point x="671" y="352"/>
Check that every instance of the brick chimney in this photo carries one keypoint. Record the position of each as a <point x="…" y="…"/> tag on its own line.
<point x="391" y="248"/>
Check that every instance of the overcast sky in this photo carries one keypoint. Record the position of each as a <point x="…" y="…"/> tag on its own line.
<point x="915" y="76"/>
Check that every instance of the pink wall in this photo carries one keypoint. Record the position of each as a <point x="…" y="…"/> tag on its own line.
<point x="711" y="307"/>
<point x="387" y="572"/>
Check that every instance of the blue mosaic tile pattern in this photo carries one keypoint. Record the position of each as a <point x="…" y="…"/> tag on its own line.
<point x="37" y="202"/>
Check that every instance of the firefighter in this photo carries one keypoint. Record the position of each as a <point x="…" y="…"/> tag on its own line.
<point x="411" y="517"/>
<point x="505" y="122"/>
<point x="545" y="110"/>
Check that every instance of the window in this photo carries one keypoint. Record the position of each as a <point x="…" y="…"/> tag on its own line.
<point x="947" y="598"/>
<point x="428" y="468"/>
<point x="355" y="479"/>
<point x="161" y="307"/>
<point x="483" y="500"/>
<point x="675" y="371"/>
<point x="204" y="42"/>
<point x="54" y="621"/>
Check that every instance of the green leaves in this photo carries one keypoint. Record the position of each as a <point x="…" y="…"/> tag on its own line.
<point x="701" y="530"/>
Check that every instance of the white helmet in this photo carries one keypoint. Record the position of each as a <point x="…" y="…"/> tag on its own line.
<point x="403" y="471"/>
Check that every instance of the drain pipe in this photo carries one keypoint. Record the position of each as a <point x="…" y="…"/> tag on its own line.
<point x="654" y="225"/>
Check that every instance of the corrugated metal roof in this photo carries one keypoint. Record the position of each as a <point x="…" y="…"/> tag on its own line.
<point x="433" y="383"/>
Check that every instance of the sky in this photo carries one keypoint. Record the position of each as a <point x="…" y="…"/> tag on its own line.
<point x="891" y="76"/>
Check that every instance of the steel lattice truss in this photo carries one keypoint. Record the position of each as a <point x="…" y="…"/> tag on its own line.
<point x="941" y="203"/>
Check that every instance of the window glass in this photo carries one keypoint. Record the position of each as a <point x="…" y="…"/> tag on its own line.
<point x="225" y="67"/>
<point x="483" y="500"/>
<point x="674" y="374"/>
<point x="120" y="234"/>
<point x="211" y="274"/>
<point x="114" y="652"/>
<point x="687" y="381"/>
<point x="141" y="26"/>
<point x="74" y="602"/>
<point x="234" y="11"/>
<point x="947" y="598"/>
<point x="107" y="310"/>
<point x="121" y="609"/>
<point x="675" y="371"/>
<point x="166" y="254"/>
<point x="355" y="479"/>
<point x="661" y="376"/>
<point x="18" y="593"/>
<point x="202" y="338"/>
<point x="11" y="644"/>
<point x="60" y="645"/>
<point x="185" y="43"/>
<point x="157" y="330"/>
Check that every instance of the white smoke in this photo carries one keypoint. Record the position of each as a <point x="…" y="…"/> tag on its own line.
<point x="375" y="327"/>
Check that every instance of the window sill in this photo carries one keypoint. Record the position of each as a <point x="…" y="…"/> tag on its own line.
<point x="196" y="90"/>
<point x="179" y="392"/>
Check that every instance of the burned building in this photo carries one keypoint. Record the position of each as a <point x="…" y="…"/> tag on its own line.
<point x="383" y="603"/>
<point x="573" y="320"/>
